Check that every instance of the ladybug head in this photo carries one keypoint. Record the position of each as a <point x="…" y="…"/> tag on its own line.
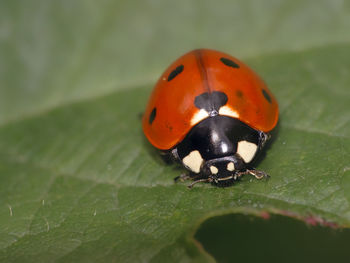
<point x="219" y="147"/>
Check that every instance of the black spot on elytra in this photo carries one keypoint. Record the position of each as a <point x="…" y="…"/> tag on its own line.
<point x="211" y="101"/>
<point x="229" y="62"/>
<point x="266" y="95"/>
<point x="239" y="93"/>
<point x="175" y="72"/>
<point x="152" y="116"/>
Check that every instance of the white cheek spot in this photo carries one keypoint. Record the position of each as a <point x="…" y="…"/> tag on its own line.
<point x="214" y="170"/>
<point x="193" y="161"/>
<point x="247" y="150"/>
<point x="227" y="111"/>
<point x="198" y="116"/>
<point x="231" y="166"/>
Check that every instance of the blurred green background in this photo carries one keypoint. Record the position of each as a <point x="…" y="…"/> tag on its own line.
<point x="55" y="52"/>
<point x="79" y="184"/>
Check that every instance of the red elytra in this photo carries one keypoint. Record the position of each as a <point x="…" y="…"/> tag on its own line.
<point x="170" y="112"/>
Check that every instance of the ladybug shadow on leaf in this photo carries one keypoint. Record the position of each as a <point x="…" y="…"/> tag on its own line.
<point x="158" y="156"/>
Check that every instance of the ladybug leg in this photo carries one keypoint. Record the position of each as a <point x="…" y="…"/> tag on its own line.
<point x="185" y="176"/>
<point x="207" y="180"/>
<point x="170" y="156"/>
<point x="182" y="177"/>
<point x="257" y="174"/>
<point x="234" y="176"/>
<point x="263" y="138"/>
<point x="175" y="156"/>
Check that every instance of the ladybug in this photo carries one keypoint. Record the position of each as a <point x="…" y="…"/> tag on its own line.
<point x="211" y="113"/>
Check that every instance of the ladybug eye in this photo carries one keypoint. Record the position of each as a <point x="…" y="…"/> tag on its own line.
<point x="266" y="95"/>
<point x="175" y="72"/>
<point x="228" y="62"/>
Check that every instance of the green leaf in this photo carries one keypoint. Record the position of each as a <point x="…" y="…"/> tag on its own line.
<point x="80" y="183"/>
